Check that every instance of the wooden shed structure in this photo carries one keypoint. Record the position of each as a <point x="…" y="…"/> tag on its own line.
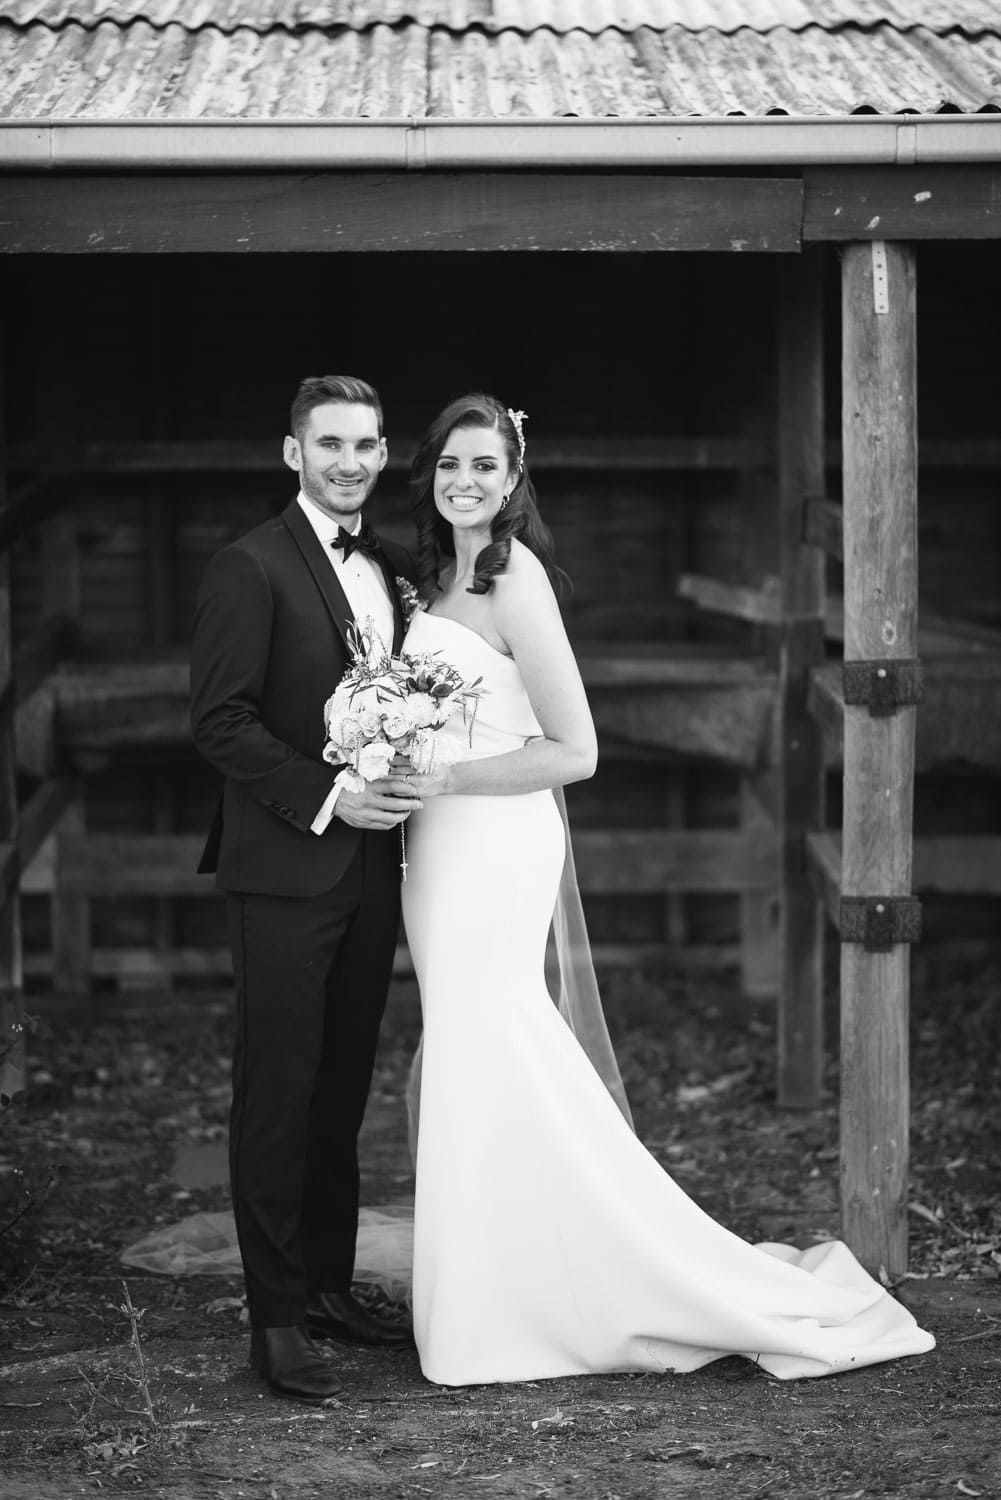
<point x="203" y="200"/>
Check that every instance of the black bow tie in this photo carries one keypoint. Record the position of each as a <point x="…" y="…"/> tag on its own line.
<point x="365" y="540"/>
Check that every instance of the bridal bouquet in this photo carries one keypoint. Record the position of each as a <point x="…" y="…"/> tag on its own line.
<point x="387" y="706"/>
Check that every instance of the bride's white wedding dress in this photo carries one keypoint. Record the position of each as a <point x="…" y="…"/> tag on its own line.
<point x="547" y="1240"/>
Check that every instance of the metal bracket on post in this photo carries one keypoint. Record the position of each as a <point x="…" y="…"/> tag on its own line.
<point x="883" y="686"/>
<point x="879" y="922"/>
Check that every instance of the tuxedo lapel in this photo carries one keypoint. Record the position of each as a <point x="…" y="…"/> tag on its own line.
<point x="324" y="577"/>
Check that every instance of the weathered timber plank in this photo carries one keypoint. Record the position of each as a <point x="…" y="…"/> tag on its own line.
<point x="960" y="719"/>
<point x="255" y="456"/>
<point x="964" y="865"/>
<point x="759" y="910"/>
<point x="758" y="606"/>
<point x="823" y="854"/>
<point x="825" y="701"/>
<point x="69" y="911"/>
<point x="799" y="743"/>
<point x="32" y="501"/>
<point x="879" y="432"/>
<point x="958" y="866"/>
<point x="111" y="864"/>
<point x="728" y="724"/>
<point x="366" y="211"/>
<point x="902" y="203"/>
<point x="40" y="815"/>
<point x="38" y="656"/>
<point x="216" y="963"/>
<point x="822" y="525"/>
<point x="668" y="664"/>
<point x="688" y="702"/>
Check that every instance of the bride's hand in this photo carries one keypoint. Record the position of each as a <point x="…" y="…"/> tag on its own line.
<point x="434" y="783"/>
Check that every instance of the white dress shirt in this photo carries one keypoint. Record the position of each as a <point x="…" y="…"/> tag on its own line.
<point x="364" y="586"/>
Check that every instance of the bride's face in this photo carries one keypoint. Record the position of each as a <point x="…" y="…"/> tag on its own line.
<point x="472" y="478"/>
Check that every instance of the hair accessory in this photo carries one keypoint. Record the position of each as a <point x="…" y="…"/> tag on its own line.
<point x="517" y="417"/>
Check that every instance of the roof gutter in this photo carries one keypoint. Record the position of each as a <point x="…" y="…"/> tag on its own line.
<point x="421" y="144"/>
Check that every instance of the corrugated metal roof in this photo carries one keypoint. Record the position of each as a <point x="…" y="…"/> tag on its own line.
<point x="144" y="72"/>
<point x="592" y="16"/>
<point x="476" y="59"/>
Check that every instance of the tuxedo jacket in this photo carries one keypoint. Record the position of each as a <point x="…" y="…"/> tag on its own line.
<point x="270" y="644"/>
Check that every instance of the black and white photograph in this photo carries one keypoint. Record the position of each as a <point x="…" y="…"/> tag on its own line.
<point x="500" y="749"/>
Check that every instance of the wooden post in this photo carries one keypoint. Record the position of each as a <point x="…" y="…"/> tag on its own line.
<point x="759" y="959"/>
<point x="799" y="739"/>
<point x="69" y="915"/>
<point x="11" y="978"/>
<point x="758" y="936"/>
<point x="879" y="432"/>
<point x="675" y="902"/>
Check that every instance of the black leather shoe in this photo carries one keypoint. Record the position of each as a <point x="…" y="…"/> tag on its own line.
<point x="339" y="1316"/>
<point x="291" y="1365"/>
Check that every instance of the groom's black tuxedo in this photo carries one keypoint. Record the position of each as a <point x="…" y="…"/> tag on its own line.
<point x="270" y="646"/>
<point x="313" y="918"/>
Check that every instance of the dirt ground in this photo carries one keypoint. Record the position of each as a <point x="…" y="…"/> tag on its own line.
<point x="119" y="1095"/>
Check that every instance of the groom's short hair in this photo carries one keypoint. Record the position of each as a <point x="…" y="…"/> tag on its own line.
<point x="318" y="390"/>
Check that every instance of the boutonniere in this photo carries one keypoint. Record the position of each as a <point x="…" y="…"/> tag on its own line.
<point x="410" y="599"/>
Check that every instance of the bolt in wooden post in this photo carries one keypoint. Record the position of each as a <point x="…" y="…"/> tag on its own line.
<point x="879" y="431"/>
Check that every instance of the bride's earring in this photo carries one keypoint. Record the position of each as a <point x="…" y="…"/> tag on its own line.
<point x="504" y="501"/>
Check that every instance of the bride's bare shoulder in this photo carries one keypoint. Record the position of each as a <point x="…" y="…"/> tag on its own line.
<point x="523" y="596"/>
<point x="524" y="570"/>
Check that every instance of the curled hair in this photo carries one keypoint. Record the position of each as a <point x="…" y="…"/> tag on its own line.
<point x="519" y="518"/>
<point x="318" y="390"/>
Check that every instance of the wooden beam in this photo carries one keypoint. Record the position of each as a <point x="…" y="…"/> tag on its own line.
<point x="39" y="497"/>
<point x="40" y="816"/>
<point x="879" y="395"/>
<point x="145" y="213"/>
<point x="112" y="864"/>
<point x="957" y="202"/>
<point x="960" y="719"/>
<point x="253" y="456"/>
<point x="759" y="606"/>
<point x="959" y="866"/>
<point x="823" y="865"/>
<point x="727" y="724"/>
<point x="964" y="865"/>
<point x="822" y="525"/>
<point x="44" y="495"/>
<point x="799" y="746"/>
<point x="36" y="658"/>
<point x="825" y="701"/>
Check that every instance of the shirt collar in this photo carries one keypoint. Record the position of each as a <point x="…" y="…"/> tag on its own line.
<point x="325" y="526"/>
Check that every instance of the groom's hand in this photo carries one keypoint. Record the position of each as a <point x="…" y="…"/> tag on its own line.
<point x="383" y="804"/>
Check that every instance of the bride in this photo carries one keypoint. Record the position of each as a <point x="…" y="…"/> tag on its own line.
<point x="547" y="1240"/>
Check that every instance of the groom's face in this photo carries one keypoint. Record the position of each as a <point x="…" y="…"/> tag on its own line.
<point x="338" y="457"/>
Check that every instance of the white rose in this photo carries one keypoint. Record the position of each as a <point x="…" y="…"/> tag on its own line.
<point x="374" y="761"/>
<point x="396" y="722"/>
<point x="371" y="721"/>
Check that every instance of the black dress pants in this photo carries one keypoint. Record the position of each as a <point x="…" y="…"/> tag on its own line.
<point x="311" y="977"/>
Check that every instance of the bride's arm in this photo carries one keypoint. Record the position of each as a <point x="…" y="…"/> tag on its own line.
<point x="526" y="617"/>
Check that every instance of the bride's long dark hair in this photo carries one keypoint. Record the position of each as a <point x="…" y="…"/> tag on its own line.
<point x="519" y="518"/>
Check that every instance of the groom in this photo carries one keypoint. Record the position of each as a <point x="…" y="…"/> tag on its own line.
<point x="311" y="873"/>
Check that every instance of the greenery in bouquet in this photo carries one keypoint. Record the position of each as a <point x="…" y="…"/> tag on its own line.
<point x="387" y="706"/>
